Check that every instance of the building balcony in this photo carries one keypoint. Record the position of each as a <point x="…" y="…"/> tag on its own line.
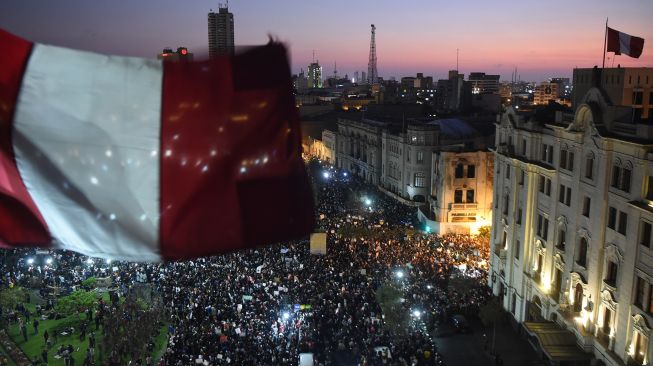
<point x="463" y="206"/>
<point x="610" y="284"/>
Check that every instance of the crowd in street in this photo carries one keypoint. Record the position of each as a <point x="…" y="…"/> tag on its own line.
<point x="266" y="306"/>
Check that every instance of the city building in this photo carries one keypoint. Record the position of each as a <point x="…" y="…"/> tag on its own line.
<point x="571" y="243"/>
<point x="182" y="54"/>
<point x="452" y="94"/>
<point x="221" y="32"/>
<point x="415" y="161"/>
<point x="483" y="83"/>
<point x="544" y="93"/>
<point x="564" y="87"/>
<point x="630" y="87"/>
<point x="300" y="82"/>
<point x="315" y="75"/>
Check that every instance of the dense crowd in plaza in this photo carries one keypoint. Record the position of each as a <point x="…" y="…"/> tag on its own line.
<point x="268" y="305"/>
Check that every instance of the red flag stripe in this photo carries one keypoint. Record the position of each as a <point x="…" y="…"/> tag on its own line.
<point x="231" y="173"/>
<point x="21" y="222"/>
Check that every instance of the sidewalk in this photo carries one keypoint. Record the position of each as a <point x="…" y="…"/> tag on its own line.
<point x="512" y="347"/>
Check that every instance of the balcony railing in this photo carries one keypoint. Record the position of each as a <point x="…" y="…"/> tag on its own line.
<point x="464" y="206"/>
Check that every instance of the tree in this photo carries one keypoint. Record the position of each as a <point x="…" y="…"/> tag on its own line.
<point x="395" y="316"/>
<point x="89" y="283"/>
<point x="484" y="232"/>
<point x="136" y="321"/>
<point x="490" y="314"/>
<point x="9" y="298"/>
<point x="76" y="302"/>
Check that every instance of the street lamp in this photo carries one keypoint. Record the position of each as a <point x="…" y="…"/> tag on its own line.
<point x="30" y="261"/>
<point x="48" y="261"/>
<point x="399" y="274"/>
<point x="326" y="175"/>
<point x="286" y="315"/>
<point x="417" y="313"/>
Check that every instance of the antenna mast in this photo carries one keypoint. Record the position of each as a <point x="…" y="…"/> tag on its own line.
<point x="372" y="76"/>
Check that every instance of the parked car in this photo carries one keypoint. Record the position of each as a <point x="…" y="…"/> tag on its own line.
<point x="461" y="324"/>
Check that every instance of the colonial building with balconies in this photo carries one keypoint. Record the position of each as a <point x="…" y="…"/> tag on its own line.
<point x="418" y="164"/>
<point x="572" y="254"/>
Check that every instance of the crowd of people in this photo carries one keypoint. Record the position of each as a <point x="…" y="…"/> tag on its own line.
<point x="275" y="304"/>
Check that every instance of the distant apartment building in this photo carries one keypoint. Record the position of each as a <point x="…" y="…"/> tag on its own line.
<point x="453" y="94"/>
<point x="572" y="233"/>
<point x="221" y="32"/>
<point x="483" y="83"/>
<point x="314" y="75"/>
<point x="544" y="93"/>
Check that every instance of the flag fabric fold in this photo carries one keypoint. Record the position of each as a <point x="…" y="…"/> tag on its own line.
<point x="622" y="43"/>
<point x="135" y="159"/>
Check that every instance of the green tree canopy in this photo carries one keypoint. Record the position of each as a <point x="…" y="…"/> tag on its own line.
<point x="76" y="302"/>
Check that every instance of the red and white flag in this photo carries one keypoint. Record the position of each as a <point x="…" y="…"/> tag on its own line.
<point x="619" y="42"/>
<point x="135" y="159"/>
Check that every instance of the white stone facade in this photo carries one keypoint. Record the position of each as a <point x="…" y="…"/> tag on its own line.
<point x="571" y="233"/>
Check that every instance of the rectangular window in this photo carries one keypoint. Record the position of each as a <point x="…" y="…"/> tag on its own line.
<point x="612" y="218"/>
<point x="459" y="171"/>
<point x="611" y="277"/>
<point x="408" y="155"/>
<point x="420" y="157"/>
<point x="650" y="299"/>
<point x="471" y="171"/>
<point x="639" y="292"/>
<point x="519" y="215"/>
<point x="470" y="196"/>
<point x="625" y="180"/>
<point x="561" y="239"/>
<point x="561" y="195"/>
<point x="563" y="159"/>
<point x="523" y="142"/>
<point x="570" y="161"/>
<point x="649" y="188"/>
<point x="517" y="249"/>
<point x="541" y="184"/>
<point x="547" y="188"/>
<point x="507" y="171"/>
<point x="638" y="96"/>
<point x="568" y="197"/>
<point x="623" y="223"/>
<point x="645" y="234"/>
<point x="521" y="177"/>
<point x="589" y="168"/>
<point x="420" y="180"/>
<point x="506" y="203"/>
<point x="545" y="233"/>
<point x="650" y="296"/>
<point x="587" y="204"/>
<point x="544" y="146"/>
<point x="458" y="196"/>
<point x="616" y="173"/>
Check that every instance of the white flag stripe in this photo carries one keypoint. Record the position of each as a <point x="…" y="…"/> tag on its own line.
<point x="624" y="43"/>
<point x="86" y="130"/>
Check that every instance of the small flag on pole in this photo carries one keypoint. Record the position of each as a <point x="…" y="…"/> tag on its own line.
<point x="622" y="43"/>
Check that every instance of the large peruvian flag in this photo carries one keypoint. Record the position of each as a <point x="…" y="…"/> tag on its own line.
<point x="136" y="159"/>
<point x="619" y="42"/>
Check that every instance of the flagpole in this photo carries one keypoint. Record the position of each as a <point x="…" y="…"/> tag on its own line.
<point x="605" y="41"/>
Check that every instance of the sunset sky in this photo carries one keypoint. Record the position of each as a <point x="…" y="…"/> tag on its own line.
<point x="541" y="38"/>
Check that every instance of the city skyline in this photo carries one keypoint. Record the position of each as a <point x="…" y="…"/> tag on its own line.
<point x="542" y="40"/>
